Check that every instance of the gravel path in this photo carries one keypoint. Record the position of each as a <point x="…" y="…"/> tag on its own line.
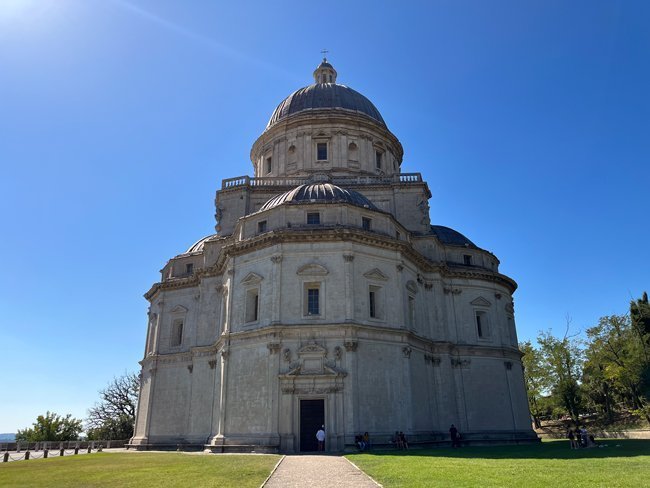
<point x="318" y="471"/>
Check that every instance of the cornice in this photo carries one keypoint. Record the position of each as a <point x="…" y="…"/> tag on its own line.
<point x="341" y="234"/>
<point x="209" y="351"/>
<point x="277" y="335"/>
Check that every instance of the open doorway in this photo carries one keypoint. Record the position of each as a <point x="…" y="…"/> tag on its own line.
<point x="312" y="417"/>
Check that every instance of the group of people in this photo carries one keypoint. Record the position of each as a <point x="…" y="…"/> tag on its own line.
<point x="580" y="438"/>
<point x="400" y="441"/>
<point x="362" y="441"/>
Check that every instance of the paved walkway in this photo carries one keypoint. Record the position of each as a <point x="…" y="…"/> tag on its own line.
<point x="318" y="471"/>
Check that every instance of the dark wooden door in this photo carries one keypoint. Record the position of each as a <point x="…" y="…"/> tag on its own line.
<point x="312" y="417"/>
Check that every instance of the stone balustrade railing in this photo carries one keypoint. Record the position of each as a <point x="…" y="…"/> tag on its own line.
<point x="266" y="181"/>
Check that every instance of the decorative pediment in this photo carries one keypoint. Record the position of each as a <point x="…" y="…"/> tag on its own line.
<point x="411" y="286"/>
<point x="480" y="302"/>
<point x="312" y="269"/>
<point x="305" y="368"/>
<point x="312" y="349"/>
<point x="376" y="274"/>
<point x="252" y="279"/>
<point x="179" y="309"/>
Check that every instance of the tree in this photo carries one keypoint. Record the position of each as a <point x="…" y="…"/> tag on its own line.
<point x="640" y="315"/>
<point x="537" y="381"/>
<point x="113" y="417"/>
<point x="617" y="362"/>
<point x="562" y="360"/>
<point x="51" y="427"/>
<point x="640" y="318"/>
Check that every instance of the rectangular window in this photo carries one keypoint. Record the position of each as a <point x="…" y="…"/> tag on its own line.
<point x="321" y="150"/>
<point x="312" y="299"/>
<point x="378" y="156"/>
<point x="252" y="305"/>
<point x="481" y="325"/>
<point x="512" y="331"/>
<point x="313" y="218"/>
<point x="467" y="259"/>
<point x="189" y="268"/>
<point x="313" y="307"/>
<point x="398" y="236"/>
<point x="261" y="226"/>
<point x="269" y="165"/>
<point x="366" y="223"/>
<point x="375" y="302"/>
<point x="177" y="333"/>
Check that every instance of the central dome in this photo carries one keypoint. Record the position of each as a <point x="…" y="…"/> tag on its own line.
<point x="325" y="94"/>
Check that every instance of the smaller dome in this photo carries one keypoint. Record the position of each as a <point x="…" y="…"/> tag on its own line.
<point x="319" y="193"/>
<point x="198" y="245"/>
<point x="450" y="237"/>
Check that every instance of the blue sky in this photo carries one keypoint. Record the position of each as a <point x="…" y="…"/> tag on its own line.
<point x="119" y="119"/>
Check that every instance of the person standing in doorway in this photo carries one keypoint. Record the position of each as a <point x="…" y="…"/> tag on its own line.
<point x="320" y="437"/>
<point x="455" y="438"/>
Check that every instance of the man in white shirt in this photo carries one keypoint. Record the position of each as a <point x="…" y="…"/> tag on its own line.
<point x="320" y="436"/>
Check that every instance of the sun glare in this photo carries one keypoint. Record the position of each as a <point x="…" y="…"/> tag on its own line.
<point x="22" y="10"/>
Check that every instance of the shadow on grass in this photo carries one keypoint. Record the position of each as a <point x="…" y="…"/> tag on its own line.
<point x="611" y="448"/>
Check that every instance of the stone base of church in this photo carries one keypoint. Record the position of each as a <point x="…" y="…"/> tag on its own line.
<point x="283" y="444"/>
<point x="232" y="443"/>
<point x="165" y="443"/>
<point x="241" y="448"/>
<point x="166" y="446"/>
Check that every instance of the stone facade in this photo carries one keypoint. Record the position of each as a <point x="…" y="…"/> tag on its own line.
<point x="327" y="297"/>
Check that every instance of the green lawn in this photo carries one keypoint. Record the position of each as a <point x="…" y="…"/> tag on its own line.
<point x="621" y="463"/>
<point x="139" y="469"/>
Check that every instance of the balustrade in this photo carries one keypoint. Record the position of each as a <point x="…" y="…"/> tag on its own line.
<point x="265" y="181"/>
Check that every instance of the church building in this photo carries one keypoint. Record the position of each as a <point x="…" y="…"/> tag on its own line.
<point x="328" y="298"/>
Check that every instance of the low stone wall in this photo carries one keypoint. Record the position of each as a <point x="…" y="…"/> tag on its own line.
<point x="39" y="446"/>
<point x="624" y="434"/>
<point x="605" y="434"/>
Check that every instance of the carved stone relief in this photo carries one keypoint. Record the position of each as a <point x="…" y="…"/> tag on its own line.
<point x="433" y="360"/>
<point x="286" y="355"/>
<point x="460" y="363"/>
